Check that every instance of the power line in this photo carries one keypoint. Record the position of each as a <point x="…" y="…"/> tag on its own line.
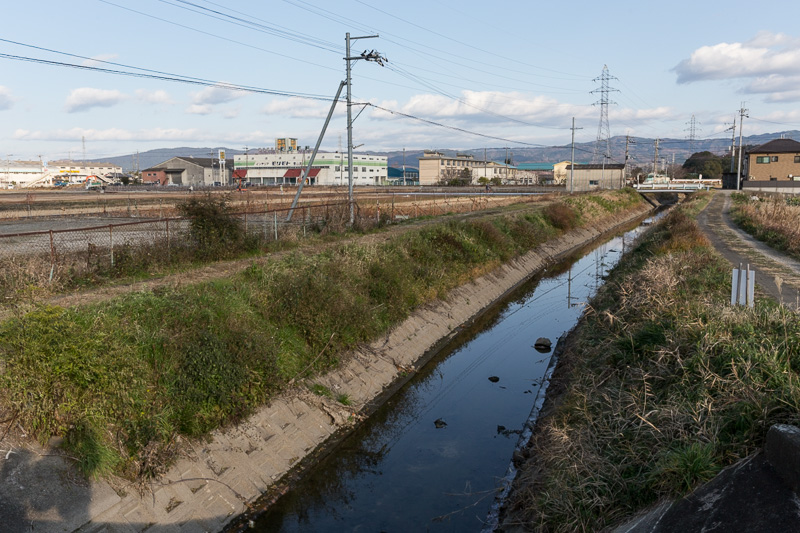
<point x="270" y="29"/>
<point x="171" y="78"/>
<point x="227" y="39"/>
<point x="454" y="128"/>
<point x="462" y="43"/>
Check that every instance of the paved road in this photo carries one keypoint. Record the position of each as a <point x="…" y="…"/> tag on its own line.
<point x="777" y="275"/>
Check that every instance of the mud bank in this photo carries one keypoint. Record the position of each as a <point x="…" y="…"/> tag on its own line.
<point x="221" y="478"/>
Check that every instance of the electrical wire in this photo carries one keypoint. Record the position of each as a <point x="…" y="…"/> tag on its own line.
<point x="461" y="43"/>
<point x="454" y="128"/>
<point x="220" y="37"/>
<point x="264" y="28"/>
<point x="169" y="78"/>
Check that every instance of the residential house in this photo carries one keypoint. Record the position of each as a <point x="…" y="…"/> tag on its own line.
<point x="776" y="160"/>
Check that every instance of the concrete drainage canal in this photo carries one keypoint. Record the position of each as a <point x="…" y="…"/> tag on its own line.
<point x="436" y="455"/>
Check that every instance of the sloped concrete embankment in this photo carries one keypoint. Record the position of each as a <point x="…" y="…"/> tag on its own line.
<point x="220" y="478"/>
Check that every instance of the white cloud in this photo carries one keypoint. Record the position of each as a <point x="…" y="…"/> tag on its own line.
<point x="489" y="107"/>
<point x="766" y="54"/>
<point x="6" y="100"/>
<point x="176" y="135"/>
<point x="215" y="95"/>
<point x="154" y="97"/>
<point x="196" y="109"/>
<point x="299" y="108"/>
<point x="86" y="98"/>
<point x="96" y="60"/>
<point x="771" y="61"/>
<point x="114" y="134"/>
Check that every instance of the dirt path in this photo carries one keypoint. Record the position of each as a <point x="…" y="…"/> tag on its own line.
<point x="224" y="269"/>
<point x="777" y="275"/>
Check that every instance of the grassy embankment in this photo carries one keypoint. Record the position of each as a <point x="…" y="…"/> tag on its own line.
<point x="664" y="385"/>
<point x="774" y="220"/>
<point x="123" y="381"/>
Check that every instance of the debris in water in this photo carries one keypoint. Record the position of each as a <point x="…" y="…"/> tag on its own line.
<point x="439" y="423"/>
<point x="494" y="379"/>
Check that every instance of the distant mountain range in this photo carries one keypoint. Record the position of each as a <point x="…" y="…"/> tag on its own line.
<point x="640" y="149"/>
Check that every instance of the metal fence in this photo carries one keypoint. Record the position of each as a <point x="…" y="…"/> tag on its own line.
<point x="64" y="252"/>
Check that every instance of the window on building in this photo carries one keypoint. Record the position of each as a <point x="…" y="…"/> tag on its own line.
<point x="797" y="159"/>
<point x="762" y="159"/>
<point x="594" y="182"/>
<point x="338" y="169"/>
<point x="363" y="169"/>
<point x="774" y="158"/>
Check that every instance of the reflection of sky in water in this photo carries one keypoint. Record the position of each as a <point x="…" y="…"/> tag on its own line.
<point x="398" y="472"/>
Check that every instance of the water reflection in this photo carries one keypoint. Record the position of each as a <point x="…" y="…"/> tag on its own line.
<point x="399" y="471"/>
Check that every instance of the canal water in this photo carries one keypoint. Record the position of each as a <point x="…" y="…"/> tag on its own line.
<point x="432" y="458"/>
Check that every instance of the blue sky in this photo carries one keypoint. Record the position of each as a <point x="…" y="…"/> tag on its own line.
<point x="492" y="74"/>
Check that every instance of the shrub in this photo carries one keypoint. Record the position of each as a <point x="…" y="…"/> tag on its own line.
<point x="561" y="216"/>
<point x="213" y="229"/>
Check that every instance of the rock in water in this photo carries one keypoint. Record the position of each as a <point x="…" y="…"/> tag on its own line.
<point x="494" y="379"/>
<point x="439" y="423"/>
<point x="543" y="344"/>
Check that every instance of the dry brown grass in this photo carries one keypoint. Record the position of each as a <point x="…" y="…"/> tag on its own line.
<point x="771" y="220"/>
<point x="663" y="385"/>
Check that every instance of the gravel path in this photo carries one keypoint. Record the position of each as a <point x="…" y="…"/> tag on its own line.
<point x="777" y="275"/>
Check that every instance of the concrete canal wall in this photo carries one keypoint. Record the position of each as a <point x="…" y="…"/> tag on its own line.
<point x="219" y="479"/>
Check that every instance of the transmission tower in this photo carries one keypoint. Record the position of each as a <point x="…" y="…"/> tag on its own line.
<point x="693" y="129"/>
<point x="602" y="148"/>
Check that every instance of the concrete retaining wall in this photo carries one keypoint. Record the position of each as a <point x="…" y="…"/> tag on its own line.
<point x="219" y="479"/>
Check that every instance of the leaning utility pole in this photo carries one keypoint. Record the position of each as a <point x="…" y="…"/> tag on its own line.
<point x="368" y="56"/>
<point x="307" y="170"/>
<point x="742" y="114"/>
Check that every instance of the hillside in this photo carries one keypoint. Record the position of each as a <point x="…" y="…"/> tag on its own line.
<point x="641" y="150"/>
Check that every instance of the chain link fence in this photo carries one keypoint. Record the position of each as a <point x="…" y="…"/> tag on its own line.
<point x="56" y="255"/>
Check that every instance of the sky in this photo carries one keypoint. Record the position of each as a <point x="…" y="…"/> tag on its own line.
<point x="455" y="74"/>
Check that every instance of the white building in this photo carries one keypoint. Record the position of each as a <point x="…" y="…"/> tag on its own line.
<point x="78" y="171"/>
<point x="21" y="173"/>
<point x="279" y="167"/>
<point x="437" y="167"/>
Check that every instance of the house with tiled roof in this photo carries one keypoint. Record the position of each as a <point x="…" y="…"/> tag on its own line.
<point x="776" y="160"/>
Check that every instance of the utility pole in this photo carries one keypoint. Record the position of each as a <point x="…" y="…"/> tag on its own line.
<point x="368" y="56"/>
<point x="733" y="144"/>
<point x="742" y="114"/>
<point x="8" y="169"/>
<point x="306" y="172"/>
<point x="655" y="162"/>
<point x="404" y="166"/>
<point x="572" y="159"/>
<point x="628" y="142"/>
